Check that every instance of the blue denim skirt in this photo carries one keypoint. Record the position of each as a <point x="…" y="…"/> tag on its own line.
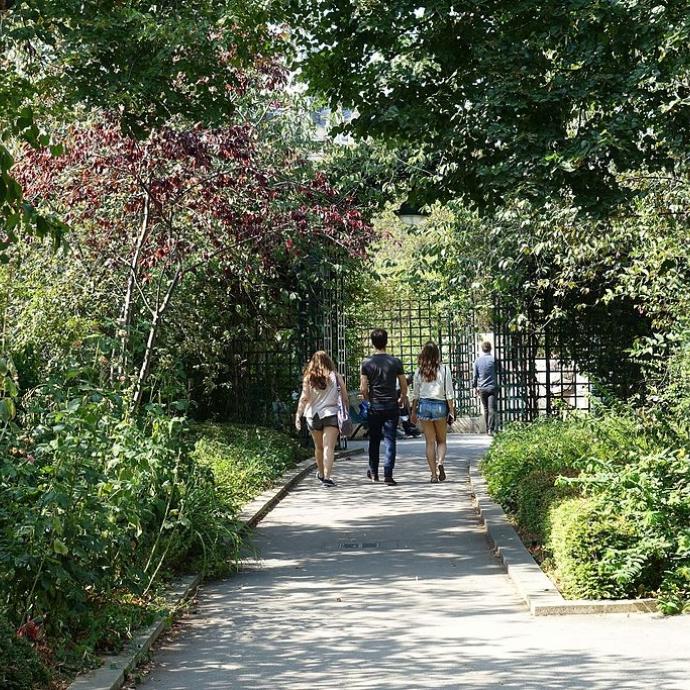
<point x="430" y="410"/>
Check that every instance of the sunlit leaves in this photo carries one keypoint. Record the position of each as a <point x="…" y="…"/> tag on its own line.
<point x="516" y="99"/>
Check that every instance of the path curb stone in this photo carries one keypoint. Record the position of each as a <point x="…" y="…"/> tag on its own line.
<point x="538" y="591"/>
<point x="113" y="671"/>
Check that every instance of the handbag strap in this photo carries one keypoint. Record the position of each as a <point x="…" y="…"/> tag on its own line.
<point x="341" y="402"/>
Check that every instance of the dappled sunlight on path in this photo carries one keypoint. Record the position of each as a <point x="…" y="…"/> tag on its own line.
<point x="369" y="586"/>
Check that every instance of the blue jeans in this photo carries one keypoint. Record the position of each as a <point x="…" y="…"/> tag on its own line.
<point x="382" y="424"/>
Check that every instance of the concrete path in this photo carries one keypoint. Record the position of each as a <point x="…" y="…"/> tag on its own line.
<point x="376" y="587"/>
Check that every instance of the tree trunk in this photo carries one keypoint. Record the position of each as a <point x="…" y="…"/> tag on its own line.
<point x="125" y="320"/>
<point x="151" y="340"/>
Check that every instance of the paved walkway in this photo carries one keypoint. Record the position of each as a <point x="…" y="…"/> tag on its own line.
<point x="369" y="586"/>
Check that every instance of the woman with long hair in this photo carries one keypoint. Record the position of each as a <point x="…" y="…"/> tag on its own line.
<point x="321" y="386"/>
<point x="433" y="403"/>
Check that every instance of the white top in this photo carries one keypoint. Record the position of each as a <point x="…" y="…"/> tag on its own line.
<point x="441" y="388"/>
<point x="322" y="402"/>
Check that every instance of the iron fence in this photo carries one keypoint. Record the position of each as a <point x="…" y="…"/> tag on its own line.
<point x="410" y="323"/>
<point x="538" y="371"/>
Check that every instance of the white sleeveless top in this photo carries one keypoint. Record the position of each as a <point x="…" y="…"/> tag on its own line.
<point x="322" y="402"/>
<point x="441" y="388"/>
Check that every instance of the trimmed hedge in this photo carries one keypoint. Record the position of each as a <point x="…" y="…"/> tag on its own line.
<point x="542" y="451"/>
<point x="537" y="492"/>
<point x="583" y="536"/>
<point x="608" y="499"/>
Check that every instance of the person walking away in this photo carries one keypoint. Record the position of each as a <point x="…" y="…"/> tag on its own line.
<point x="321" y="386"/>
<point x="379" y="375"/>
<point x="433" y="403"/>
<point x="485" y="384"/>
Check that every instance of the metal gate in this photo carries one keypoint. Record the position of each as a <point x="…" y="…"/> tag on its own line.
<point x="538" y="373"/>
<point x="410" y="323"/>
<point x="263" y="379"/>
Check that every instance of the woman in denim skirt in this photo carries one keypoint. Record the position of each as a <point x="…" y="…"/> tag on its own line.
<point x="321" y="387"/>
<point x="433" y="404"/>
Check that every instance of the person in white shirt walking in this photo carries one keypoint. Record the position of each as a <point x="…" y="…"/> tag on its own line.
<point x="433" y="403"/>
<point x="321" y="387"/>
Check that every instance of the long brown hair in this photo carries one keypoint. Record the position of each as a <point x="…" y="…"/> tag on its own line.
<point x="318" y="370"/>
<point x="429" y="361"/>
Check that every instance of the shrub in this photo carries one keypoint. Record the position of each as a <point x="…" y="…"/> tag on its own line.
<point x="609" y="497"/>
<point x="537" y="492"/>
<point x="20" y="666"/>
<point x="95" y="507"/>
<point x="548" y="447"/>
<point x="652" y="492"/>
<point x="244" y="460"/>
<point x="584" y="534"/>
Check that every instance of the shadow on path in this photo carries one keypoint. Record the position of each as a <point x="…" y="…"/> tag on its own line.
<point x="368" y="586"/>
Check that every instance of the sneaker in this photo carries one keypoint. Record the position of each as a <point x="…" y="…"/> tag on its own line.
<point x="434" y="479"/>
<point x="390" y="481"/>
<point x="328" y="482"/>
<point x="441" y="474"/>
<point x="372" y="477"/>
<point x="319" y="477"/>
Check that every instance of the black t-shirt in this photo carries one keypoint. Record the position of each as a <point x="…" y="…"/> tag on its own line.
<point x="382" y="370"/>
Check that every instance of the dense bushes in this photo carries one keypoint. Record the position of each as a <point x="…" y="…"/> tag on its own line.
<point x="546" y="447"/>
<point x="244" y="459"/>
<point x="97" y="508"/>
<point x="617" y="521"/>
<point x="582" y="536"/>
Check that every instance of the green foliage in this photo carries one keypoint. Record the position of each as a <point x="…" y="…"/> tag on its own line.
<point x="536" y="493"/>
<point x="584" y="535"/>
<point x="20" y="666"/>
<point x="94" y="504"/>
<point x="98" y="508"/>
<point x="677" y="392"/>
<point x="145" y="62"/>
<point x="509" y="99"/>
<point x="542" y="450"/>
<point x="530" y="123"/>
<point x="244" y="460"/>
<point x="615" y="522"/>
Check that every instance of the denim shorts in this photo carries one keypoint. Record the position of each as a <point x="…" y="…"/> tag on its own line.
<point x="318" y="424"/>
<point x="431" y="410"/>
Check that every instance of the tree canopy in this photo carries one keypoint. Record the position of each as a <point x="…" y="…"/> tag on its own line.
<point x="141" y="62"/>
<point x="510" y="98"/>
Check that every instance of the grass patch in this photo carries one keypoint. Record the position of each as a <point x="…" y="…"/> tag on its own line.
<point x="244" y="460"/>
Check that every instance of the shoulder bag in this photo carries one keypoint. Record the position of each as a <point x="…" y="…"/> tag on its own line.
<point x="449" y="418"/>
<point x="344" y="421"/>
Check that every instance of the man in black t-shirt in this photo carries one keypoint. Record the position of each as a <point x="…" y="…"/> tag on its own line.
<point x="378" y="379"/>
